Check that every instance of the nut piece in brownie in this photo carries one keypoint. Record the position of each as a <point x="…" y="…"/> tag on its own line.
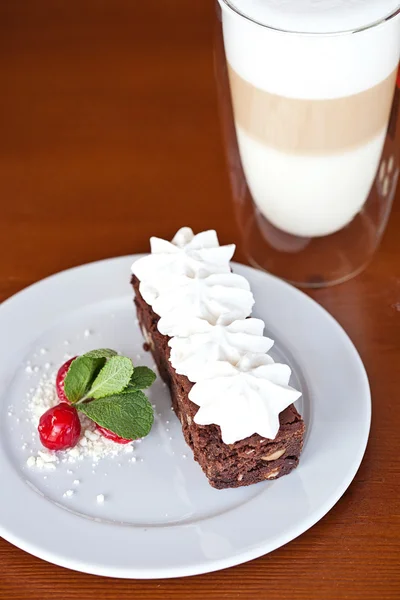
<point x="245" y="462"/>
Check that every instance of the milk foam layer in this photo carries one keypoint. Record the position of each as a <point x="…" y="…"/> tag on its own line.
<point x="315" y="16"/>
<point x="307" y="66"/>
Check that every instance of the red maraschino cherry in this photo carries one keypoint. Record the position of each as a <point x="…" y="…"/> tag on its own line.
<point x="59" y="427"/>
<point x="62" y="372"/>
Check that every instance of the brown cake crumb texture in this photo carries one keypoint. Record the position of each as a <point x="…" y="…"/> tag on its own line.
<point x="248" y="461"/>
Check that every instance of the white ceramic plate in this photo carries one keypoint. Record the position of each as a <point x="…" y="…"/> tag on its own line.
<point x="160" y="517"/>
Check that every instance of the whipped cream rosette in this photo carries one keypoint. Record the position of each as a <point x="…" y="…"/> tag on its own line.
<point x="219" y="299"/>
<point x="244" y="399"/>
<point x="188" y="255"/>
<point x="196" y="354"/>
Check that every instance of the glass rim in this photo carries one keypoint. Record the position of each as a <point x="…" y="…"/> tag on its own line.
<point x="229" y="6"/>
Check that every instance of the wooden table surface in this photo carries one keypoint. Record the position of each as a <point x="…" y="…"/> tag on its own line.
<point x="109" y="133"/>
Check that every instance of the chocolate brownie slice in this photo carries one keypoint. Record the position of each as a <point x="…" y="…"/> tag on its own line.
<point x="248" y="461"/>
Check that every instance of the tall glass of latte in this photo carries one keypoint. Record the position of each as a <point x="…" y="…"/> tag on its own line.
<point x="308" y="98"/>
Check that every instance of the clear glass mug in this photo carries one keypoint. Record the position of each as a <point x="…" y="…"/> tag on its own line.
<point x="309" y="122"/>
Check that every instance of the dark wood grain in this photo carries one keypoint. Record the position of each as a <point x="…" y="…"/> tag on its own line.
<point x="109" y="133"/>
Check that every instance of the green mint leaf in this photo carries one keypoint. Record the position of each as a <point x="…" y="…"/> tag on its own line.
<point x="142" y="378"/>
<point x="80" y="375"/>
<point x="128" y="415"/>
<point x="113" y="377"/>
<point x="101" y="353"/>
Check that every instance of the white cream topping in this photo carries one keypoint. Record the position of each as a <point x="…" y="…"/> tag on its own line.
<point x="195" y="355"/>
<point x="219" y="299"/>
<point x="244" y="399"/>
<point x="203" y="307"/>
<point x="188" y="255"/>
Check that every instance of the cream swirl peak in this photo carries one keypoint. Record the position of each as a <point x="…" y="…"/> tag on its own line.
<point x="188" y="256"/>
<point x="219" y="299"/>
<point x="196" y="354"/>
<point x="244" y="399"/>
